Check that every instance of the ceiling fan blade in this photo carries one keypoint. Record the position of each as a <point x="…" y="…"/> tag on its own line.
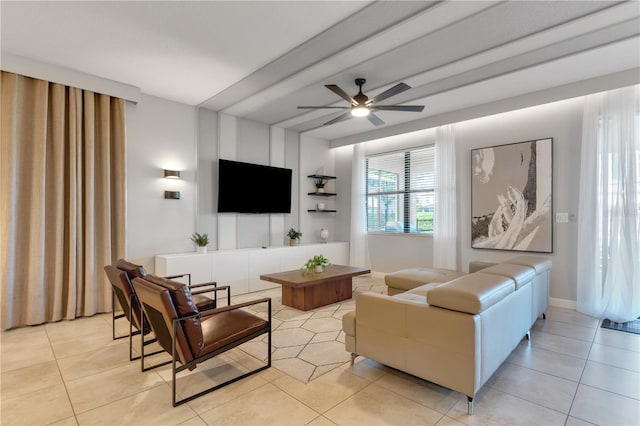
<point x="413" y="108"/>
<point x="341" y="117"/>
<point x="338" y="91"/>
<point x="398" y="88"/>
<point x="323" y="107"/>
<point x="375" y="119"/>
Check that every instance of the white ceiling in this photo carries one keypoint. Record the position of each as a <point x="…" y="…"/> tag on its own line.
<point x="261" y="59"/>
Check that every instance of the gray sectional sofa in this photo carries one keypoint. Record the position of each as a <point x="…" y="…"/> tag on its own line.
<point x="454" y="333"/>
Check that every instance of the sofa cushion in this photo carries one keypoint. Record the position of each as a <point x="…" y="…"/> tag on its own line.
<point x="412" y="297"/>
<point x="540" y="264"/>
<point x="520" y="274"/>
<point x="472" y="293"/>
<point x="424" y="289"/>
<point x="477" y="265"/>
<point x="407" y="279"/>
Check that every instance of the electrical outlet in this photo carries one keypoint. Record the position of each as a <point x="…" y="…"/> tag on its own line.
<point x="562" y="217"/>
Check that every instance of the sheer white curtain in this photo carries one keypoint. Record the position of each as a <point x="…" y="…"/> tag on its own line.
<point x="609" y="217"/>
<point x="445" y="227"/>
<point x="358" y="245"/>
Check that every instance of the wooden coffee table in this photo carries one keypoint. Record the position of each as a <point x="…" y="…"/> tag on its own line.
<point x="315" y="289"/>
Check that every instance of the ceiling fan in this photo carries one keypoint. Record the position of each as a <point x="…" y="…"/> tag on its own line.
<point x="362" y="106"/>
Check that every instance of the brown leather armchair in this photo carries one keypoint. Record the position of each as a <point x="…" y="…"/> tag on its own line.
<point x="120" y="276"/>
<point x="192" y="336"/>
<point x="124" y="292"/>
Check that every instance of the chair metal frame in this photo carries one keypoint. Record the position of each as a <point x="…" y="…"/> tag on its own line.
<point x="175" y="369"/>
<point x="133" y="298"/>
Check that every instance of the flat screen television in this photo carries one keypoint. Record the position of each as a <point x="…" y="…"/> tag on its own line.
<point x="253" y="188"/>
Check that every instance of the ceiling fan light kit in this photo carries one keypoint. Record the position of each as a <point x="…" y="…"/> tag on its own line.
<point x="360" y="111"/>
<point x="362" y="106"/>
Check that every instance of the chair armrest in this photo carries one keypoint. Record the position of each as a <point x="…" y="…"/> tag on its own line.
<point x="188" y="275"/>
<point x="238" y="306"/>
<point x="212" y="283"/>
<point x="221" y="288"/>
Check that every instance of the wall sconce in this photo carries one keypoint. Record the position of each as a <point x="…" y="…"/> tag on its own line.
<point x="172" y="174"/>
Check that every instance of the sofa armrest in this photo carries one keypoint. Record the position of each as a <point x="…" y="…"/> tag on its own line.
<point x="349" y="328"/>
<point x="349" y="323"/>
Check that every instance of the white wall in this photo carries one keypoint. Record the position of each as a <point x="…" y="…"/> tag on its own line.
<point x="561" y="121"/>
<point x="292" y="161"/>
<point x="317" y="158"/>
<point x="252" y="146"/>
<point x="207" y="202"/>
<point x="232" y="138"/>
<point x="160" y="135"/>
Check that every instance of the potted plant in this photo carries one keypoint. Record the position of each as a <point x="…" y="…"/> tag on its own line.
<point x="315" y="264"/>
<point x="320" y="183"/>
<point x="294" y="236"/>
<point x="201" y="241"/>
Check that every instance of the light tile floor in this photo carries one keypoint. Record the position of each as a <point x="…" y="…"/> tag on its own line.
<point x="571" y="372"/>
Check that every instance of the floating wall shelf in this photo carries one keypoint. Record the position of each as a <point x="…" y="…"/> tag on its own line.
<point x="321" y="194"/>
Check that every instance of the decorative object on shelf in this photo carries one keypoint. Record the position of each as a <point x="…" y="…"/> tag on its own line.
<point x="171" y="174"/>
<point x="294" y="236"/>
<point x="320" y="206"/>
<point x="324" y="235"/>
<point x="511" y="197"/>
<point x="315" y="264"/>
<point x="320" y="183"/>
<point x="201" y="241"/>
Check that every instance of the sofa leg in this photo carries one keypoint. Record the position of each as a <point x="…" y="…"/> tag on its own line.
<point x="528" y="335"/>
<point x="470" y="406"/>
<point x="544" y="316"/>
<point x="353" y="358"/>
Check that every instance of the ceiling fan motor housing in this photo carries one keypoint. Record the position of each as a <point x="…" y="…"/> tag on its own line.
<point x="360" y="98"/>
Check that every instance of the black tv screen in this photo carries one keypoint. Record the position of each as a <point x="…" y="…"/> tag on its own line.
<point x="253" y="188"/>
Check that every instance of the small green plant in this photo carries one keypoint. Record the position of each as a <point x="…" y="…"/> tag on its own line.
<point x="320" y="183"/>
<point x="293" y="234"/>
<point x="201" y="240"/>
<point x="311" y="264"/>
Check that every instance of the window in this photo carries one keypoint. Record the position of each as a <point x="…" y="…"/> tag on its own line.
<point x="400" y="195"/>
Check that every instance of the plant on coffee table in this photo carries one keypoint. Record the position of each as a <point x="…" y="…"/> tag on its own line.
<point x="315" y="264"/>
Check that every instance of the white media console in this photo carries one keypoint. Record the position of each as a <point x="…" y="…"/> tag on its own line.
<point x="241" y="268"/>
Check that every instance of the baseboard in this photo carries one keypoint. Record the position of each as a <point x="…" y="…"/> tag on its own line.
<point x="378" y="274"/>
<point x="563" y="303"/>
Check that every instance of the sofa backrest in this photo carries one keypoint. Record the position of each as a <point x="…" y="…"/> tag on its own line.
<point x="471" y="293"/>
<point x="520" y="274"/>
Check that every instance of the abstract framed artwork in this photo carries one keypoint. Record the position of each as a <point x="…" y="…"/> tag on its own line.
<point x="511" y="197"/>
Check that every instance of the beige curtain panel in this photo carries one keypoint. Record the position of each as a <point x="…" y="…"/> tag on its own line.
<point x="62" y="200"/>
